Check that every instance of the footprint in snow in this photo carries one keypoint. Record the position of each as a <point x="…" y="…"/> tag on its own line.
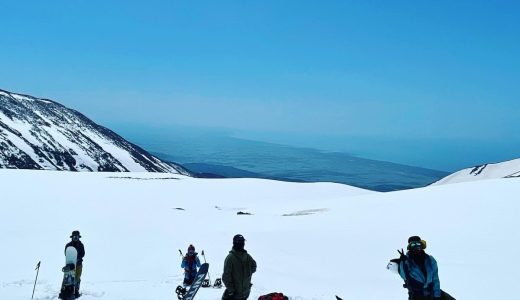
<point x="93" y="294"/>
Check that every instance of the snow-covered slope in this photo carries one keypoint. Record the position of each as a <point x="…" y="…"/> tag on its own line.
<point x="505" y="169"/>
<point x="311" y="241"/>
<point x="42" y="134"/>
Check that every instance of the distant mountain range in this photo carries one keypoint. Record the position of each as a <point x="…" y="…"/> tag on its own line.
<point x="506" y="169"/>
<point x="40" y="133"/>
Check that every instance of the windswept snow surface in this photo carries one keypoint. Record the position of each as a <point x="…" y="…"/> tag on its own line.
<point x="504" y="169"/>
<point x="335" y="239"/>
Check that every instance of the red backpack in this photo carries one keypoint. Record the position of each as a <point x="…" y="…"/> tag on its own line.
<point x="273" y="296"/>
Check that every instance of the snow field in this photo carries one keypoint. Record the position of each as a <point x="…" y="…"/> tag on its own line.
<point x="336" y="240"/>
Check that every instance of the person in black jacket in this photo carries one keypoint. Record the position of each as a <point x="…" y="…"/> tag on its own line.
<point x="76" y="243"/>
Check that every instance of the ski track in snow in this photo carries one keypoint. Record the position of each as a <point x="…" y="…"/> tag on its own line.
<point x="305" y="212"/>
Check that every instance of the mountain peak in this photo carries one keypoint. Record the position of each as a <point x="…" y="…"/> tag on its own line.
<point x="40" y="133"/>
<point x="505" y="169"/>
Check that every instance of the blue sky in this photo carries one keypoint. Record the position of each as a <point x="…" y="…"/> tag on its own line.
<point x="381" y="70"/>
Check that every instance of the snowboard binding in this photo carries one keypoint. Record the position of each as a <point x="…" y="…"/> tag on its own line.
<point x="181" y="292"/>
<point x="206" y="283"/>
<point x="218" y="283"/>
<point x="68" y="268"/>
<point x="68" y="288"/>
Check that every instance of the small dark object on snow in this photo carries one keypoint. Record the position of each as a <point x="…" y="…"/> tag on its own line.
<point x="218" y="283"/>
<point x="243" y="213"/>
<point x="179" y="208"/>
<point x="338" y="298"/>
<point x="206" y="283"/>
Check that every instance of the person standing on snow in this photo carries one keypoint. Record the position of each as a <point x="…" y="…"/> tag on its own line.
<point x="239" y="267"/>
<point x="190" y="263"/>
<point x="80" y="248"/>
<point x="419" y="271"/>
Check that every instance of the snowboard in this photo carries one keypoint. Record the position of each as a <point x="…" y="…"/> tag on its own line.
<point x="197" y="283"/>
<point x="68" y="286"/>
<point x="394" y="266"/>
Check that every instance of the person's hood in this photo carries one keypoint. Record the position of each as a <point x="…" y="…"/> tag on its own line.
<point x="241" y="254"/>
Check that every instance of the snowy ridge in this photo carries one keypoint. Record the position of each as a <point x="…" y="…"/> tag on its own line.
<point x="507" y="169"/>
<point x="42" y="134"/>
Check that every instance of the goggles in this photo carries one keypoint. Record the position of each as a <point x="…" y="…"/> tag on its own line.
<point x="415" y="245"/>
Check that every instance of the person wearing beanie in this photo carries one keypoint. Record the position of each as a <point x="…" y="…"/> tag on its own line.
<point x="419" y="271"/>
<point x="190" y="263"/>
<point x="239" y="267"/>
<point x="76" y="243"/>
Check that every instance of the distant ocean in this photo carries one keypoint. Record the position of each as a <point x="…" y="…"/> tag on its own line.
<point x="233" y="157"/>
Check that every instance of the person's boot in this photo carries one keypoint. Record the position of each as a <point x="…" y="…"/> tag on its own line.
<point x="186" y="282"/>
<point x="77" y="294"/>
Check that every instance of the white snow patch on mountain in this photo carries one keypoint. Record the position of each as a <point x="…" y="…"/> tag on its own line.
<point x="120" y="154"/>
<point x="42" y="134"/>
<point x="334" y="239"/>
<point x="487" y="171"/>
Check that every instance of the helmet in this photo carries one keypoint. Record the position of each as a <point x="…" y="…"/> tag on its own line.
<point x="191" y="249"/>
<point x="238" y="239"/>
<point x="239" y="242"/>
<point x="75" y="233"/>
<point x="416" y="241"/>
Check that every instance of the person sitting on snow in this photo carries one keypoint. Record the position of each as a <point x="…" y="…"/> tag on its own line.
<point x="190" y="263"/>
<point x="419" y="271"/>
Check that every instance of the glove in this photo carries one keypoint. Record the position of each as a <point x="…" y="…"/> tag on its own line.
<point x="402" y="256"/>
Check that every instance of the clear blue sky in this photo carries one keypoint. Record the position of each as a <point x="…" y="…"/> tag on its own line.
<point x="394" y="70"/>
